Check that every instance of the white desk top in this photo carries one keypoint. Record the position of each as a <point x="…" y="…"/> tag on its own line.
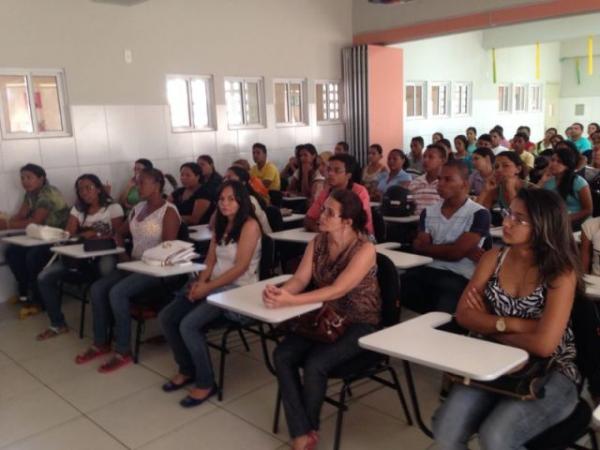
<point x="418" y="341"/>
<point x="12" y="232"/>
<point x="76" y="251"/>
<point x="159" y="271"/>
<point x="496" y="232"/>
<point x="294" y="198"/>
<point x="293" y="217"/>
<point x="247" y="300"/>
<point x="26" y="241"/>
<point x="597" y="415"/>
<point x="375" y="204"/>
<point x="408" y="219"/>
<point x="403" y="260"/>
<point x="577" y="236"/>
<point x="293" y="235"/>
<point x="200" y="233"/>
<point x="387" y="245"/>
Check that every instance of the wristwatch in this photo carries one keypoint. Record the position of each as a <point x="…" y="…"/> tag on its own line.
<point x="501" y="325"/>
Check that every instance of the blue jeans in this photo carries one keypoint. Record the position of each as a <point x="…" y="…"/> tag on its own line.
<point x="26" y="263"/>
<point x="302" y="402"/>
<point x="184" y="323"/>
<point x="49" y="279"/>
<point x="111" y="294"/>
<point x="501" y="422"/>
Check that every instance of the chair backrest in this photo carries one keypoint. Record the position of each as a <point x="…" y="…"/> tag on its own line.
<point x="585" y="320"/>
<point x="276" y="198"/>
<point x="267" y="258"/>
<point x="387" y="277"/>
<point x="378" y="224"/>
<point x="274" y="217"/>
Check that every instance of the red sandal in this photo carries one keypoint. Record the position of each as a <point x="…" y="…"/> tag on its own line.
<point x="114" y="363"/>
<point x="91" y="353"/>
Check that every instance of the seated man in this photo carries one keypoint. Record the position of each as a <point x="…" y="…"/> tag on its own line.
<point x="452" y="233"/>
<point x="266" y="171"/>
<point x="424" y="187"/>
<point x="339" y="176"/>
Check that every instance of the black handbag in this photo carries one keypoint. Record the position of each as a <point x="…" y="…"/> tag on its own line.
<point x="324" y="325"/>
<point x="97" y="245"/>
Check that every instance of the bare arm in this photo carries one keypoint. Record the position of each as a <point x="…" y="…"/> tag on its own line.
<point x="447" y="252"/>
<point x="200" y="208"/>
<point x="586" y="253"/>
<point x="171" y="224"/>
<point x="587" y="206"/>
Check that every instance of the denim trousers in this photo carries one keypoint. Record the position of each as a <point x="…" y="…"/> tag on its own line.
<point x="184" y="324"/>
<point x="26" y="263"/>
<point x="427" y="289"/>
<point x="110" y="297"/>
<point x="303" y="398"/>
<point x="48" y="283"/>
<point x="502" y="423"/>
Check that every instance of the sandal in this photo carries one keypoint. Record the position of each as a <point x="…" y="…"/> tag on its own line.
<point x="114" y="363"/>
<point x="52" y="332"/>
<point x="30" y="310"/>
<point x="91" y="353"/>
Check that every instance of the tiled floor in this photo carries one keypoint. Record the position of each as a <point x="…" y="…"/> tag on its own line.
<point x="48" y="402"/>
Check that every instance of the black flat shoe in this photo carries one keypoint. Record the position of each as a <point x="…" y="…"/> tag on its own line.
<point x="169" y="386"/>
<point x="190" y="402"/>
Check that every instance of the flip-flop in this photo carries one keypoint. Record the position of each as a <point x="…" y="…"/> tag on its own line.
<point x="52" y="332"/>
<point x="114" y="363"/>
<point x="91" y="353"/>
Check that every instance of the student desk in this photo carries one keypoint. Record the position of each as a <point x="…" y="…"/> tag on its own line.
<point x="403" y="260"/>
<point x="11" y="232"/>
<point x="407" y="219"/>
<point x="294" y="235"/>
<point x="160" y="271"/>
<point x="294" y="198"/>
<point x="200" y="233"/>
<point x="295" y="217"/>
<point x="496" y="232"/>
<point x="375" y="204"/>
<point x="26" y="241"/>
<point x="418" y="341"/>
<point x="76" y="251"/>
<point x="597" y="415"/>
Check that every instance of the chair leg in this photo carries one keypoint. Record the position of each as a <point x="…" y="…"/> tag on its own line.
<point x="593" y="440"/>
<point x="224" y="352"/>
<point x="82" y="318"/>
<point x="243" y="338"/>
<point x="277" y="412"/>
<point x="138" y="341"/>
<point x="340" y="418"/>
<point x="398" y="388"/>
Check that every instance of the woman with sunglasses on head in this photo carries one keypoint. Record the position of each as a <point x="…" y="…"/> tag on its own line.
<point x="520" y="295"/>
<point x="341" y="265"/>
<point x="233" y="260"/>
<point x="152" y="221"/>
<point x="94" y="216"/>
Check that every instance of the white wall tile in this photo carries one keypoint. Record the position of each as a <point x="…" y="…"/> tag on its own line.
<point x="102" y="171"/>
<point x="227" y="141"/>
<point x="303" y="135"/>
<point x="180" y="145"/>
<point x="58" y="152"/>
<point x="64" y="179"/>
<point x="120" y="174"/>
<point x="286" y="138"/>
<point x="12" y="192"/>
<point x="151" y="131"/>
<point x="89" y="130"/>
<point x="123" y="133"/>
<point x="204" y="142"/>
<point x="17" y="152"/>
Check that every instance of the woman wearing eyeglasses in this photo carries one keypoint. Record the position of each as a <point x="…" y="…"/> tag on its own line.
<point x="520" y="295"/>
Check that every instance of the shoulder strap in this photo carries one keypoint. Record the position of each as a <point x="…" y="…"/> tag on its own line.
<point x="501" y="256"/>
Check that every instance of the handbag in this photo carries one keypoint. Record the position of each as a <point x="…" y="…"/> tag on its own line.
<point x="97" y="245"/>
<point x="526" y="383"/>
<point x="45" y="233"/>
<point x="324" y="325"/>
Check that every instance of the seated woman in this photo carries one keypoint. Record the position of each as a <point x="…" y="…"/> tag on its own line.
<point x="397" y="162"/>
<point x="508" y="178"/>
<point x="43" y="204"/>
<point x="520" y="295"/>
<point x="130" y="196"/>
<point x="373" y="170"/>
<point x="307" y="180"/>
<point x="151" y="222"/>
<point x="94" y="216"/>
<point x="233" y="260"/>
<point x="460" y="145"/>
<point x="341" y="263"/>
<point x="235" y="173"/>
<point x="483" y="162"/>
<point x="188" y="199"/>
<point x="573" y="189"/>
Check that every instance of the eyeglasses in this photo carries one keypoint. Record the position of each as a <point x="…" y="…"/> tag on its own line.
<point x="328" y="212"/>
<point x="88" y="188"/>
<point x="508" y="214"/>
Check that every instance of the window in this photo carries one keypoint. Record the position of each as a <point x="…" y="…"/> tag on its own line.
<point x="190" y="102"/>
<point x="520" y="91"/>
<point x="244" y="99"/>
<point x="535" y="98"/>
<point x="328" y="101"/>
<point x="504" y="98"/>
<point x="415" y="99"/>
<point x="440" y="99"/>
<point x="289" y="102"/>
<point x="461" y="99"/>
<point x="32" y="104"/>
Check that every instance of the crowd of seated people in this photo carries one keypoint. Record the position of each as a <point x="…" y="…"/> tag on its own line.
<point x="520" y="294"/>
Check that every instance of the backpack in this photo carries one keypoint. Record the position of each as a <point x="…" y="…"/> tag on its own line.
<point x="398" y="202"/>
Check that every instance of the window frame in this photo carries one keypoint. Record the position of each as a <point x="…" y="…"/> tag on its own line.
<point x="262" y="123"/>
<point x="303" y="101"/>
<point x="340" y="118"/>
<point x="210" y="107"/>
<point x="62" y="104"/>
<point x="533" y="108"/>
<point x="424" y="98"/>
<point x="469" y="100"/>
<point x="448" y="102"/>
<point x="509" y="89"/>
<point x="525" y="100"/>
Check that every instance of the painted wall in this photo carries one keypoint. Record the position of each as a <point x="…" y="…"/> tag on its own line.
<point x="119" y="111"/>
<point x="462" y="58"/>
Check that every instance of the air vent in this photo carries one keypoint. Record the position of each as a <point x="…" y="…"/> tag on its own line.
<point x="580" y="109"/>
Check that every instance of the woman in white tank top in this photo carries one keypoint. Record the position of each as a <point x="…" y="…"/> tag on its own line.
<point x="233" y="260"/>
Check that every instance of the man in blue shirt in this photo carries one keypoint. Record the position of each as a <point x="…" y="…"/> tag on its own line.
<point x="582" y="144"/>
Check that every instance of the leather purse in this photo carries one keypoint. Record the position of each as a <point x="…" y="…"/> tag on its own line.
<point x="324" y="325"/>
<point x="97" y="245"/>
<point x="526" y="383"/>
